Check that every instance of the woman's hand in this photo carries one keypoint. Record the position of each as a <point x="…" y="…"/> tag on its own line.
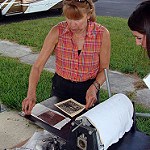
<point x="91" y="96"/>
<point x="27" y="104"/>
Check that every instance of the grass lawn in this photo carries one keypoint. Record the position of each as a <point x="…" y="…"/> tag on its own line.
<point x="14" y="83"/>
<point x="125" y="57"/>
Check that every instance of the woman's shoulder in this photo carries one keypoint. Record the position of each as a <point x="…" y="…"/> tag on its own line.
<point x="98" y="27"/>
<point x="103" y="29"/>
<point x="62" y="24"/>
<point x="59" y="28"/>
<point x="62" y="27"/>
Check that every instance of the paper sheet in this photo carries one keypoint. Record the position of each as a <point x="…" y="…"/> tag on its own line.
<point x="49" y="116"/>
<point x="112" y="118"/>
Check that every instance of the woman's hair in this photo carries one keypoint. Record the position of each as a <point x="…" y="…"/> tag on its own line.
<point x="75" y="9"/>
<point x="140" y="21"/>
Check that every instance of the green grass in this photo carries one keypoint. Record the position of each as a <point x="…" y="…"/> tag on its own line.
<point x="143" y="124"/>
<point x="125" y="55"/>
<point x="14" y="83"/>
<point x="31" y="32"/>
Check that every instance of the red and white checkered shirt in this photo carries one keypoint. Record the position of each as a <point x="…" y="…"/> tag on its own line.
<point x="72" y="66"/>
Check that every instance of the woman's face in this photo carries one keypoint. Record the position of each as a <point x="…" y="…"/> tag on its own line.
<point x="77" y="26"/>
<point x="140" y="39"/>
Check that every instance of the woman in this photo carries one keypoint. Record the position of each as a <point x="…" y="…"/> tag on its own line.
<point x="139" y="23"/>
<point x="82" y="50"/>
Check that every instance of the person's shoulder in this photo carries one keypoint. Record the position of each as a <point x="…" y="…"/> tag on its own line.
<point x="62" y="24"/>
<point x="54" y="29"/>
<point x="106" y="31"/>
<point x="59" y="26"/>
<point x="101" y="28"/>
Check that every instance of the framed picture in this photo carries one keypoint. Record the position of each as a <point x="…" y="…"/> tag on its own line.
<point x="70" y="107"/>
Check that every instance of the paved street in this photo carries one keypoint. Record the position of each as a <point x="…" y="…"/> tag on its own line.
<point x="116" y="8"/>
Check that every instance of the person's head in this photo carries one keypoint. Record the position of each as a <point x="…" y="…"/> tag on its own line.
<point x="139" y="23"/>
<point x="78" y="13"/>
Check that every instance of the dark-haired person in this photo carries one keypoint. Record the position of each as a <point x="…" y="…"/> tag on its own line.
<point x="139" y="23"/>
<point x="82" y="50"/>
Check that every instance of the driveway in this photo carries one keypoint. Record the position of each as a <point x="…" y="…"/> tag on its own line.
<point x="116" y="8"/>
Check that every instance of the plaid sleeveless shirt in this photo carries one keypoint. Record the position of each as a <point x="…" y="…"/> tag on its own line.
<point x="72" y="66"/>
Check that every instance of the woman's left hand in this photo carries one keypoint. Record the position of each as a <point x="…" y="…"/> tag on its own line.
<point x="91" y="96"/>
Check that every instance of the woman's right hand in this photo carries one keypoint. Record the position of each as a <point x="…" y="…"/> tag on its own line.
<point x="27" y="104"/>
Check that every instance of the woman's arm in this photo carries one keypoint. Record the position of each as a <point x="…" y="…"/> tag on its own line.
<point x="91" y="96"/>
<point x="47" y="49"/>
<point x="104" y="57"/>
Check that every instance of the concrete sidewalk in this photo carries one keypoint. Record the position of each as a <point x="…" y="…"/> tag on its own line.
<point x="14" y="128"/>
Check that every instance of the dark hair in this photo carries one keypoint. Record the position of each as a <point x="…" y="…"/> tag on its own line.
<point x="140" y="21"/>
<point x="74" y="9"/>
